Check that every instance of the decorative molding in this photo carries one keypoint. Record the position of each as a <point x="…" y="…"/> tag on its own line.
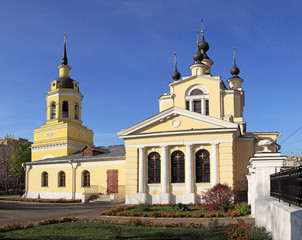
<point x="54" y="146"/>
<point x="181" y="143"/>
<point x="65" y="126"/>
<point x="50" y="134"/>
<point x="175" y="123"/>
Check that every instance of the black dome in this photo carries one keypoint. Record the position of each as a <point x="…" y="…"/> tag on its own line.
<point x="198" y="56"/>
<point x="203" y="45"/>
<point x="64" y="82"/>
<point x="234" y="70"/>
<point x="175" y="75"/>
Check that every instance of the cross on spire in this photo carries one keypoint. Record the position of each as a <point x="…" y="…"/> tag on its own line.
<point x="202" y="31"/>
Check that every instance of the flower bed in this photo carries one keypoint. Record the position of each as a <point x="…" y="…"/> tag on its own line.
<point x="171" y="210"/>
<point x="41" y="200"/>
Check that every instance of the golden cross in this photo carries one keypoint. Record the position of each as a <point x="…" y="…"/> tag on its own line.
<point x="202" y="31"/>
<point x="65" y="36"/>
<point x="154" y="158"/>
<point x="197" y="36"/>
<point x="234" y="57"/>
<point x="177" y="156"/>
<point x="175" y="58"/>
<point x="202" y="155"/>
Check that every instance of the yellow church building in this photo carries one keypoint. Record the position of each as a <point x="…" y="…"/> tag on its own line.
<point x="197" y="139"/>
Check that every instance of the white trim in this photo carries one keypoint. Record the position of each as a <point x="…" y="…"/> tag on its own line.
<point x="216" y="79"/>
<point x="62" y="93"/>
<point x="197" y="86"/>
<point x="185" y="132"/>
<point x="173" y="143"/>
<point x="65" y="126"/>
<point x="174" y="111"/>
<point x="47" y="156"/>
<point x="54" y="146"/>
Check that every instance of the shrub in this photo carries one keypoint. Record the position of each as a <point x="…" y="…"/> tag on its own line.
<point x="242" y="208"/>
<point x="238" y="230"/>
<point x="117" y="232"/>
<point x="216" y="196"/>
<point x="257" y="233"/>
<point x="180" y="207"/>
<point x="225" y="205"/>
<point x="142" y="207"/>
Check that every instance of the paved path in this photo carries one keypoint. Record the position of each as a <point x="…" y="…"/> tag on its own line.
<point x="12" y="212"/>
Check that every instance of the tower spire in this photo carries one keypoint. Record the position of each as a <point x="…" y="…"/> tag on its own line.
<point x="175" y="75"/>
<point x="234" y="70"/>
<point x="203" y="45"/>
<point x="198" y="56"/>
<point x="64" y="59"/>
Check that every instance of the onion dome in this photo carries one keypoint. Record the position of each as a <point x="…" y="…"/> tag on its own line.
<point x="234" y="70"/>
<point x="198" y="56"/>
<point x="175" y="75"/>
<point x="203" y="45"/>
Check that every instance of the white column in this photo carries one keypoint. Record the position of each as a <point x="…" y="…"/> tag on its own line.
<point x="214" y="170"/>
<point x="164" y="196"/>
<point x="141" y="170"/>
<point x="164" y="175"/>
<point x="189" y="169"/>
<point x="189" y="196"/>
<point x="191" y="105"/>
<point x="203" y="106"/>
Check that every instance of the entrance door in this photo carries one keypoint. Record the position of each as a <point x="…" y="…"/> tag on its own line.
<point x="112" y="181"/>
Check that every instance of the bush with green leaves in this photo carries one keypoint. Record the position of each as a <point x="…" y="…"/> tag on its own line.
<point x="242" y="208"/>
<point x="180" y="207"/>
<point x="258" y="233"/>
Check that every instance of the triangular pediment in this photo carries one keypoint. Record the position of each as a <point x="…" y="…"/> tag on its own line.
<point x="174" y="120"/>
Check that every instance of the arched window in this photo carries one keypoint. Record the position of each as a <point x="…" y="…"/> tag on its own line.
<point x="76" y="111"/>
<point x="86" y="179"/>
<point x="197" y="99"/>
<point x="154" y="167"/>
<point x="178" y="167"/>
<point x="62" y="179"/>
<point x="202" y="158"/>
<point x="65" y="109"/>
<point x="52" y="110"/>
<point x="196" y="92"/>
<point x="44" y="179"/>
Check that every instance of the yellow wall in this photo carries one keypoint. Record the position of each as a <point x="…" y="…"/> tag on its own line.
<point x="98" y="175"/>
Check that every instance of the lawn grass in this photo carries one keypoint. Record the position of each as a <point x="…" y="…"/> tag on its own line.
<point x="97" y="230"/>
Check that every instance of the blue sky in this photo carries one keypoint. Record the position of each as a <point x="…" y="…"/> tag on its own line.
<point x="121" y="52"/>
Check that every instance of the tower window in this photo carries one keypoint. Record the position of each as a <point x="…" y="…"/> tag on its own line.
<point x="207" y="108"/>
<point x="65" y="109"/>
<point x="154" y="167"/>
<point x="197" y="106"/>
<point x="197" y="99"/>
<point x="178" y="167"/>
<point x="53" y="110"/>
<point x="187" y="105"/>
<point x="196" y="92"/>
<point x="76" y="111"/>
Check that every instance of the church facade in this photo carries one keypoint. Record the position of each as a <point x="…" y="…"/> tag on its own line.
<point x="197" y="139"/>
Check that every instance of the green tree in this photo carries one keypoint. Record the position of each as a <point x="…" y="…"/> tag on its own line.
<point x="20" y="153"/>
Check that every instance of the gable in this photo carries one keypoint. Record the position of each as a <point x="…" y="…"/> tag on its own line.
<point x="176" y="123"/>
<point x="176" y="119"/>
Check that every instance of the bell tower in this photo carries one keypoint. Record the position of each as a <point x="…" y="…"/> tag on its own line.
<point x="63" y="132"/>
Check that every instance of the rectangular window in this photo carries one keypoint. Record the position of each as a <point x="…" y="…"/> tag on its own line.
<point x="197" y="106"/>
<point x="187" y="105"/>
<point x="207" y="108"/>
